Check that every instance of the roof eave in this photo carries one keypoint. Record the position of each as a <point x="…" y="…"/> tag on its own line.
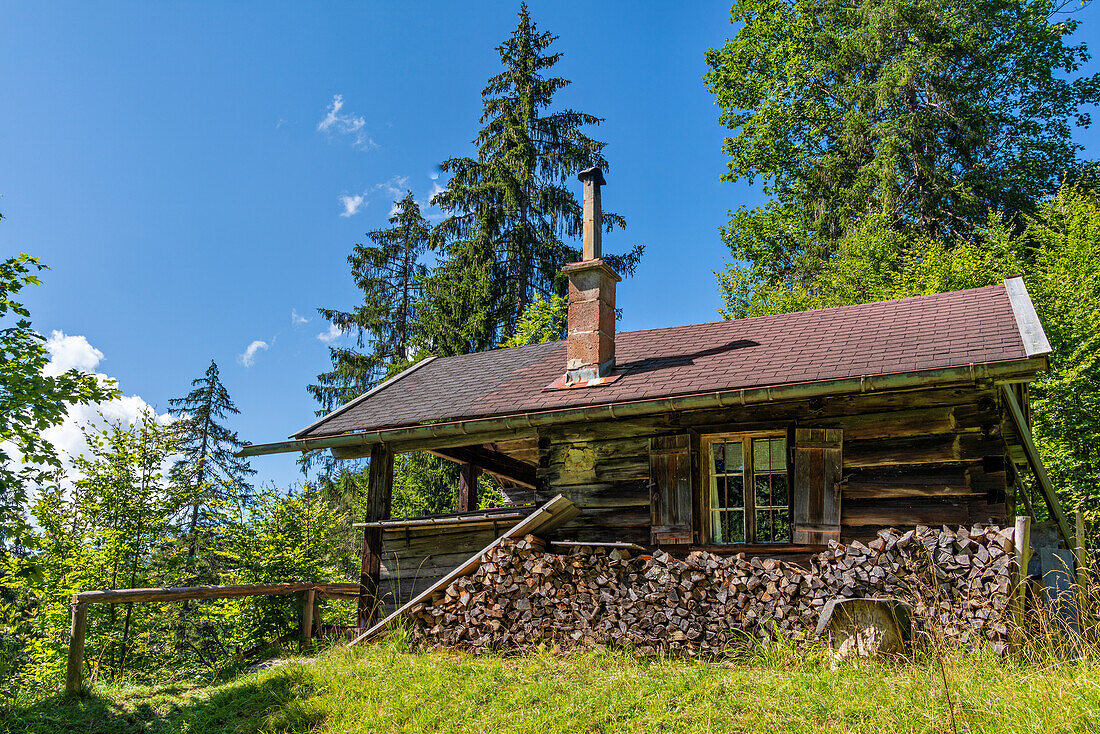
<point x="477" y="430"/>
<point x="373" y="391"/>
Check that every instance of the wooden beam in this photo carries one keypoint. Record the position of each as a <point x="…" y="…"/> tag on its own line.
<point x="120" y="596"/>
<point x="467" y="487"/>
<point x="1036" y="464"/>
<point x="495" y="463"/>
<point x="75" y="666"/>
<point x="379" y="499"/>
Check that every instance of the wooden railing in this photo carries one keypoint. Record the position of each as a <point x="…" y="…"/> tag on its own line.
<point x="310" y="591"/>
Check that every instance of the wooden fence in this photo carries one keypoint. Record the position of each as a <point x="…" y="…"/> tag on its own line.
<point x="311" y="592"/>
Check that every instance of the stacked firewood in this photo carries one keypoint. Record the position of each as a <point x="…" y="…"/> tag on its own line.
<point x="521" y="595"/>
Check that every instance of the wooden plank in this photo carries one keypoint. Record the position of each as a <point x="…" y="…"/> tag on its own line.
<point x="904" y="513"/>
<point x="75" y="664"/>
<point x="120" y="596"/>
<point x="1036" y="463"/>
<point x="596" y="544"/>
<point x="435" y="524"/>
<point x="914" y="481"/>
<point x="938" y="449"/>
<point x="553" y="514"/>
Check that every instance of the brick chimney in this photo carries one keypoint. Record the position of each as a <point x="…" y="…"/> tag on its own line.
<point x="590" y="345"/>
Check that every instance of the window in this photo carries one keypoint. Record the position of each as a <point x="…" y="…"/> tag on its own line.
<point x="749" y="492"/>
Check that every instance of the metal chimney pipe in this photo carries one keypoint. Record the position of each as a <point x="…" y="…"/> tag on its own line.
<point x="593" y="213"/>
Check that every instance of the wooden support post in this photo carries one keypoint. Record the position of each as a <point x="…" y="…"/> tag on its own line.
<point x="379" y="498"/>
<point x="309" y="598"/>
<point x="79" y="627"/>
<point x="1021" y="545"/>
<point x="467" y="487"/>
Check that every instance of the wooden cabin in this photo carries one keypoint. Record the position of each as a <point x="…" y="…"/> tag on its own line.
<point x="770" y="435"/>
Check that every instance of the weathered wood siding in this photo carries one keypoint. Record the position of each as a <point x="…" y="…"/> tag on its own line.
<point x="414" y="559"/>
<point x="919" y="457"/>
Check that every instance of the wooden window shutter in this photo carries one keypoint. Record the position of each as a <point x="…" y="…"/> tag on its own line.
<point x="817" y="467"/>
<point x="670" y="489"/>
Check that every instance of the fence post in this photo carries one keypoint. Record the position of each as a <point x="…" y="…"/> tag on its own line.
<point x="76" y="648"/>
<point x="307" y="616"/>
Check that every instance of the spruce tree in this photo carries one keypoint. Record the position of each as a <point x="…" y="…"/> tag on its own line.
<point x="512" y="206"/>
<point x="925" y="116"/>
<point x="389" y="273"/>
<point x="208" y="475"/>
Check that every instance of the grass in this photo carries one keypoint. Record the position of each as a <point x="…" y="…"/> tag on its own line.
<point x="375" y="689"/>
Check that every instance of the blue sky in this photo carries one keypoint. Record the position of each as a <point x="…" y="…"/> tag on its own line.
<point x="170" y="163"/>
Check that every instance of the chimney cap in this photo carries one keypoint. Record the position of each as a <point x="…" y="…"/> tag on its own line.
<point x="595" y="173"/>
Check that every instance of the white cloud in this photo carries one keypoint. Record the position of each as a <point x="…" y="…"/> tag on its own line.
<point x="352" y="204"/>
<point x="75" y="352"/>
<point x="296" y="318"/>
<point x="70" y="352"/>
<point x="394" y="189"/>
<point x="249" y="356"/>
<point x="333" y="333"/>
<point x="354" y="126"/>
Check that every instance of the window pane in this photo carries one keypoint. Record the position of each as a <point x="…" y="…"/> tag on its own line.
<point x="736" y="527"/>
<point x="769" y="455"/>
<point x="780" y="497"/>
<point x="782" y="527"/>
<point x="718" y="454"/>
<point x="734" y="458"/>
<point x="736" y="491"/>
<point x="720" y="492"/>
<point x="717" y="531"/>
<point x="763" y="526"/>
<point x="762" y="493"/>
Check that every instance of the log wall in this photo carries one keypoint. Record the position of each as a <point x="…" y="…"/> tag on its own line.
<point x="929" y="457"/>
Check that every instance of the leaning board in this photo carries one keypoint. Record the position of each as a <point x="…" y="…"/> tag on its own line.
<point x="553" y="514"/>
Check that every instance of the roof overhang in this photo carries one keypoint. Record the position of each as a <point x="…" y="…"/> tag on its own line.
<point x="429" y="436"/>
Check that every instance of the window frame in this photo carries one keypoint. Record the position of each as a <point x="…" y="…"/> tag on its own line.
<point x="705" y="524"/>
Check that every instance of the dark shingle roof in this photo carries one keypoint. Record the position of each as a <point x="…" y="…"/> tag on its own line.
<point x="907" y="335"/>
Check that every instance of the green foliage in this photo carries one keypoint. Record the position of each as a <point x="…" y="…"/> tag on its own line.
<point x="1065" y="285"/>
<point x="512" y="206"/>
<point x="926" y="114"/>
<point x="30" y="401"/>
<point x="291" y="535"/>
<point x="544" y="320"/>
<point x="104" y="532"/>
<point x="873" y="262"/>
